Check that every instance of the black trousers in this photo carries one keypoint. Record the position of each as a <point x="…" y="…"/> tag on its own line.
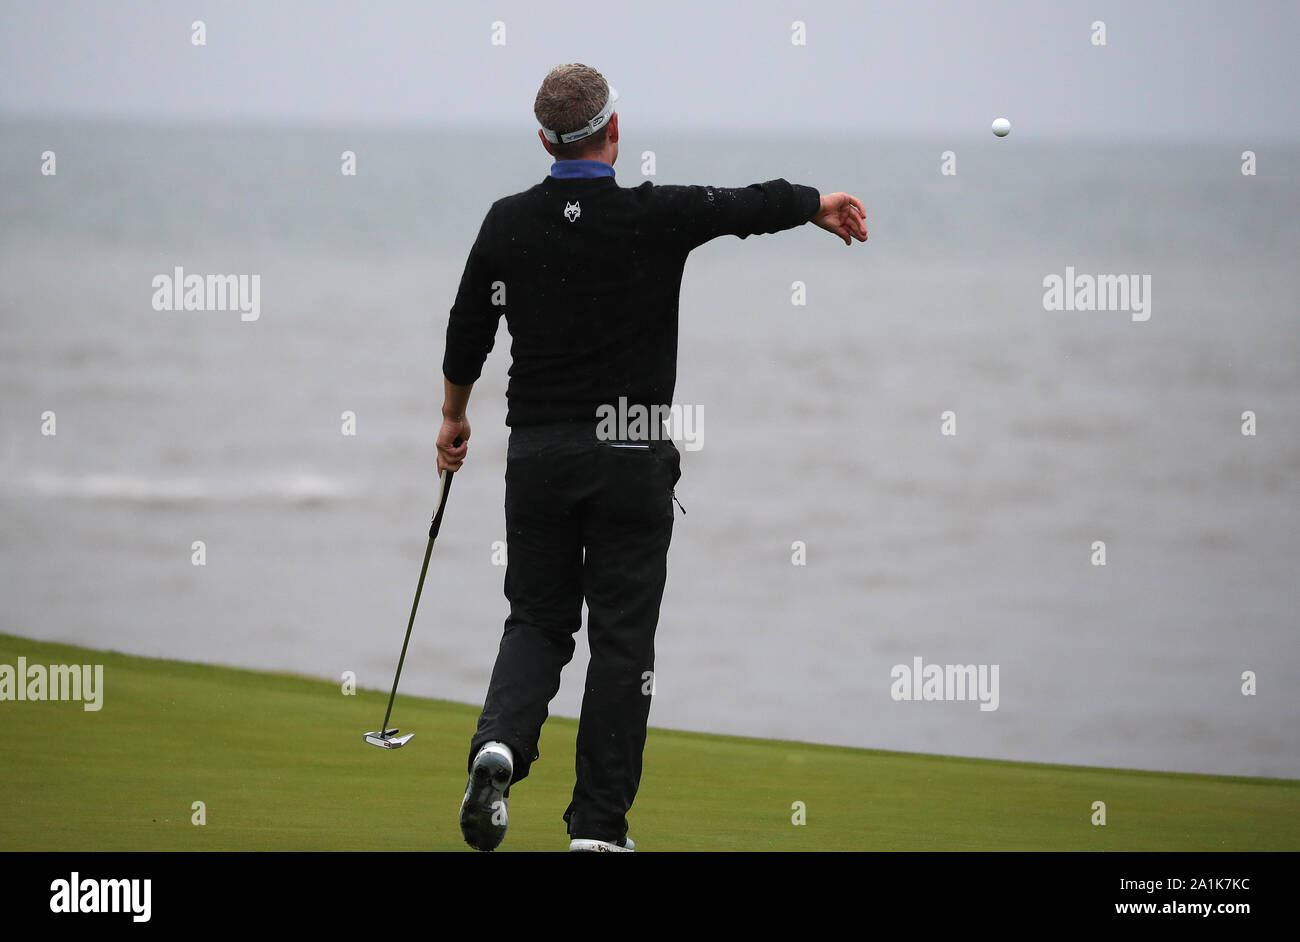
<point x="585" y="519"/>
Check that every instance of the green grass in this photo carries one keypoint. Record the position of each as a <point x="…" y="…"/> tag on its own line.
<point x="280" y="764"/>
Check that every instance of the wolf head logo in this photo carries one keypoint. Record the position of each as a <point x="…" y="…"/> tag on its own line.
<point x="572" y="211"/>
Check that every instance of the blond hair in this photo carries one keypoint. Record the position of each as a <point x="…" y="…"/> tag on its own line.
<point x="570" y="96"/>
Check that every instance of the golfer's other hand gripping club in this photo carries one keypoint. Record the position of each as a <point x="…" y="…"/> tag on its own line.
<point x="453" y="437"/>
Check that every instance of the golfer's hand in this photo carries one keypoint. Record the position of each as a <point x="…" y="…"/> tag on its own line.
<point x="453" y="443"/>
<point x="843" y="216"/>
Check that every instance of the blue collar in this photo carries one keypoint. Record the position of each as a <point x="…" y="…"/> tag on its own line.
<point x="568" y="169"/>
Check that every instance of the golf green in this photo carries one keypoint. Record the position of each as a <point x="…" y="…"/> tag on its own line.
<point x="278" y="763"/>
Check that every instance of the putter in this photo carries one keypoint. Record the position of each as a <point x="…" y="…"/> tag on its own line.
<point x="385" y="737"/>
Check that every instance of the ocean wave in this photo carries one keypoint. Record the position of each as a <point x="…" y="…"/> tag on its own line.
<point x="297" y="487"/>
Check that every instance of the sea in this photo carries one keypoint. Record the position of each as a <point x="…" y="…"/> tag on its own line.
<point x="905" y="457"/>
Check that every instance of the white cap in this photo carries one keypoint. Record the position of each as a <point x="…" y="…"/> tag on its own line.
<point x="588" y="129"/>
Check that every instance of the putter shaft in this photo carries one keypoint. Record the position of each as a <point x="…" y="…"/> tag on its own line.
<point x="434" y="527"/>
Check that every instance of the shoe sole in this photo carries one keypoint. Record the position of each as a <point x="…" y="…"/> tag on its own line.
<point x="584" y="844"/>
<point x="485" y="801"/>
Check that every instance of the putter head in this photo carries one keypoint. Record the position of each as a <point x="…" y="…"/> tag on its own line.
<point x="388" y="739"/>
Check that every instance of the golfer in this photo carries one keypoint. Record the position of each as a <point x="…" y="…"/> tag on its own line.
<point x="587" y="274"/>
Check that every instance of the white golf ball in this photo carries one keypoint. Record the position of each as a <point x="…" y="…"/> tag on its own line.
<point x="1001" y="127"/>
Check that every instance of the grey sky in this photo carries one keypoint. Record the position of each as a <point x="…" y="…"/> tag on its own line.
<point x="1188" y="69"/>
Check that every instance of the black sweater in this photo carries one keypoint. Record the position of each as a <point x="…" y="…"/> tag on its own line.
<point x="587" y="274"/>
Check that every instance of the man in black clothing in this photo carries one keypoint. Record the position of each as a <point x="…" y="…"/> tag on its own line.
<point x="587" y="274"/>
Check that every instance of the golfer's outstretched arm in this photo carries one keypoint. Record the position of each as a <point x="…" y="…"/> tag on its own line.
<point x="693" y="215"/>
